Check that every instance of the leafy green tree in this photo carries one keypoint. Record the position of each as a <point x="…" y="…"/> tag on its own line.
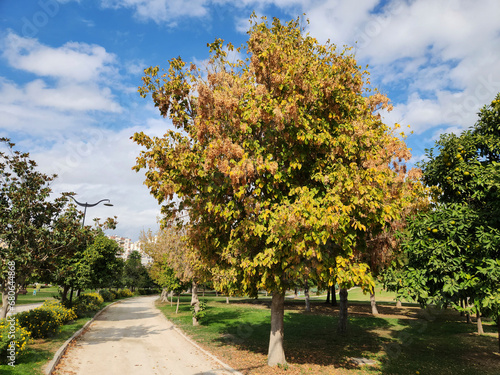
<point x="453" y="250"/>
<point x="100" y="265"/>
<point x="29" y="224"/>
<point x="135" y="274"/>
<point x="274" y="156"/>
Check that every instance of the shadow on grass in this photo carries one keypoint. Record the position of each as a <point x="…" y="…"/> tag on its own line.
<point x="439" y="341"/>
<point x="309" y="338"/>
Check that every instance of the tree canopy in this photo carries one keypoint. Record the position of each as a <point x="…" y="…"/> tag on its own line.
<point x="279" y="160"/>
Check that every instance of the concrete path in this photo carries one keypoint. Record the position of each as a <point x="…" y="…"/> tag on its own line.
<point x="26" y="307"/>
<point x="133" y="337"/>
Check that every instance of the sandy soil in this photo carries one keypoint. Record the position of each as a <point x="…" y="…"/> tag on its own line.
<point x="133" y="337"/>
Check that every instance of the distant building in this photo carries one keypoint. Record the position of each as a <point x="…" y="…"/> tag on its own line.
<point x="128" y="246"/>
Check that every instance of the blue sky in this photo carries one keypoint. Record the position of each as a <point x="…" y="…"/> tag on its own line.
<point x="69" y="72"/>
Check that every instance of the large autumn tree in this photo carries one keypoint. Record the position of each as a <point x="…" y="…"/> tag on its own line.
<point x="274" y="156"/>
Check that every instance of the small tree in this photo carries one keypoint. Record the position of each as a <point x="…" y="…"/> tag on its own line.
<point x="27" y="221"/>
<point x="453" y="250"/>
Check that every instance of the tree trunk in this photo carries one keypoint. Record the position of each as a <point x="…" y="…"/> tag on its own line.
<point x="177" y="308"/>
<point x="373" y="303"/>
<point x="227" y="299"/>
<point x="498" y="329"/>
<point x="342" y="326"/>
<point x="5" y="303"/>
<point x="295" y="293"/>
<point x="306" y="294"/>
<point x="276" y="353"/>
<point x="469" y="320"/>
<point x="64" y="294"/>
<point x="328" y="295"/>
<point x="163" y="295"/>
<point x="195" y="302"/>
<point x="171" y="298"/>
<point x="480" y="330"/>
<point x="334" y="296"/>
<point x="398" y="303"/>
<point x="71" y="298"/>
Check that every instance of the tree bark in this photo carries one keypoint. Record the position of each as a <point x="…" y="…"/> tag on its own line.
<point x="306" y="294"/>
<point x="334" y="296"/>
<point x="276" y="353"/>
<point x="177" y="308"/>
<point x="5" y="303"/>
<point x="342" y="326"/>
<point x="398" y="303"/>
<point x="328" y="295"/>
<point x="373" y="303"/>
<point x="195" y="302"/>
<point x="498" y="329"/>
<point x="480" y="330"/>
<point x="171" y="298"/>
<point x="227" y="299"/>
<point x="64" y="294"/>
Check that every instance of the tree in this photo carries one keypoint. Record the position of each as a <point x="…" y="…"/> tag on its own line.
<point x="273" y="156"/>
<point x="453" y="250"/>
<point x="135" y="274"/>
<point x="27" y="221"/>
<point x="174" y="263"/>
<point x="101" y="266"/>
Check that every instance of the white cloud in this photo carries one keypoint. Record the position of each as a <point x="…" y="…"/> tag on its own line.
<point x="161" y="10"/>
<point x="73" y="61"/>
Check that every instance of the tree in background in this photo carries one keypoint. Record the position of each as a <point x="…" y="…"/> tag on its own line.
<point x="174" y="263"/>
<point x="453" y="250"/>
<point x="273" y="157"/>
<point x="100" y="264"/>
<point x="135" y="274"/>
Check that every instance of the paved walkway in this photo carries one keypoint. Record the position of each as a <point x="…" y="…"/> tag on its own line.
<point x="133" y="337"/>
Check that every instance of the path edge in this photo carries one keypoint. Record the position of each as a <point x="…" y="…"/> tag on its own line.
<point x="50" y="367"/>
<point x="188" y="339"/>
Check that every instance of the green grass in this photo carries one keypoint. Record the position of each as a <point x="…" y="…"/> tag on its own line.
<point x="42" y="295"/>
<point x="404" y="342"/>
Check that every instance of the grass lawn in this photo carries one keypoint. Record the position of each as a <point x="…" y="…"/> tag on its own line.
<point x="42" y="295"/>
<point x="408" y="340"/>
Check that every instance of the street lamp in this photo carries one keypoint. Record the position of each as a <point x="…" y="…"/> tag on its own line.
<point x="108" y="203"/>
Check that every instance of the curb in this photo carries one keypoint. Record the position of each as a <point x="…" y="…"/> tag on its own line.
<point x="60" y="352"/>
<point x="178" y="330"/>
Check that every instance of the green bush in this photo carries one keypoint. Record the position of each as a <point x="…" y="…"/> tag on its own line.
<point x="107" y="295"/>
<point x="41" y="323"/>
<point x="121" y="293"/>
<point x="148" y="291"/>
<point x="61" y="313"/>
<point x="86" y="304"/>
<point x="12" y="332"/>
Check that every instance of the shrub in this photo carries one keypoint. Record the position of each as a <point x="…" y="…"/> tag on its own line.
<point x="12" y="333"/>
<point x="121" y="293"/>
<point x="148" y="291"/>
<point x="61" y="313"/>
<point x="87" y="304"/>
<point x="107" y="295"/>
<point x="41" y="323"/>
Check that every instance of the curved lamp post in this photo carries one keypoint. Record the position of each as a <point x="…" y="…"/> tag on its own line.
<point x="108" y="203"/>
